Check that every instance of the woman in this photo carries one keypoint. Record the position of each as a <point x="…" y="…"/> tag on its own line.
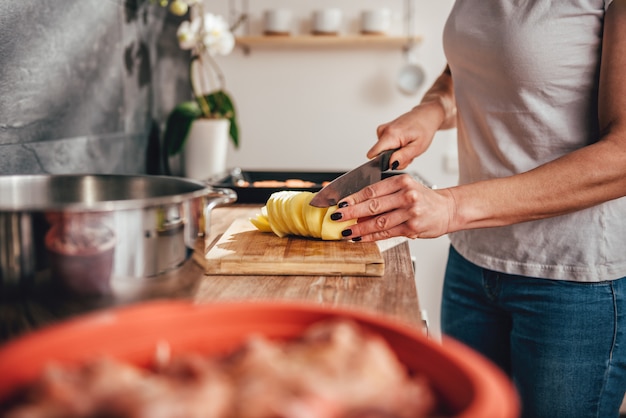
<point x="536" y="275"/>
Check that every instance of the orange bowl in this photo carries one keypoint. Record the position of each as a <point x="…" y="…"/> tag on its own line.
<point x="465" y="382"/>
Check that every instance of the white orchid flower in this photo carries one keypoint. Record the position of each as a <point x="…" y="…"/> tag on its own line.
<point x="217" y="37"/>
<point x="214" y="35"/>
<point x="188" y="34"/>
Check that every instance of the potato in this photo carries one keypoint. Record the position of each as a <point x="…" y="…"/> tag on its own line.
<point x="288" y="212"/>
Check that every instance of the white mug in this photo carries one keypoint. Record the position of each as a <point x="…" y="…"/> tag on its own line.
<point x="277" y="21"/>
<point x="327" y="21"/>
<point x="375" y="21"/>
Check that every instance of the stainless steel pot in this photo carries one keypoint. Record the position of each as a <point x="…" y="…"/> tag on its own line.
<point x="100" y="234"/>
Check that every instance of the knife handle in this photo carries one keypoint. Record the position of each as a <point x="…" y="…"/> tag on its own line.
<point x="385" y="157"/>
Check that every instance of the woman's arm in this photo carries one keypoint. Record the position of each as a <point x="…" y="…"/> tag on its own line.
<point x="442" y="93"/>
<point x="584" y="178"/>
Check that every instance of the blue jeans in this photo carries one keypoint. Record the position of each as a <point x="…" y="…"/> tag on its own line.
<point x="563" y="343"/>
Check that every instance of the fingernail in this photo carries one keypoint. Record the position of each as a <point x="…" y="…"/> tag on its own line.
<point x="335" y="216"/>
<point x="342" y="205"/>
<point x="346" y="232"/>
<point x="394" y="165"/>
<point x="356" y="239"/>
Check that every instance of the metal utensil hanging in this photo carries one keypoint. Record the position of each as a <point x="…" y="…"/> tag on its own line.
<point x="236" y="17"/>
<point x="411" y="76"/>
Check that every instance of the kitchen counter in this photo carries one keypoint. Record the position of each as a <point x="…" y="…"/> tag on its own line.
<point x="393" y="294"/>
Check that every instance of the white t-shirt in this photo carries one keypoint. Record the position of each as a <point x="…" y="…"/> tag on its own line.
<point x="526" y="84"/>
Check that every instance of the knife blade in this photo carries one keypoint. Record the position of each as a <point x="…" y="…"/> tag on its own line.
<point x="353" y="181"/>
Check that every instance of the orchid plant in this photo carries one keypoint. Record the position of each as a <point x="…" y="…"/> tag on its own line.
<point x="205" y="35"/>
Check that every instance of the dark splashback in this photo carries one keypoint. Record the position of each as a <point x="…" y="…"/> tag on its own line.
<point x="83" y="83"/>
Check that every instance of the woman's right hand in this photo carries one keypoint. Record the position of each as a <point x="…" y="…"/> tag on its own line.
<point x="411" y="132"/>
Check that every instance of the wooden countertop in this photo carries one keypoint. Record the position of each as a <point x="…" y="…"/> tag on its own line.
<point x="393" y="294"/>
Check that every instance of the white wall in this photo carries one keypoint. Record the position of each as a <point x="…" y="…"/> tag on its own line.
<point x="318" y="108"/>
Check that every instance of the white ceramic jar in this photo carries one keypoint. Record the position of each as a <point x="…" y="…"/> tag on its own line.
<point x="277" y="22"/>
<point x="376" y="21"/>
<point x="327" y="21"/>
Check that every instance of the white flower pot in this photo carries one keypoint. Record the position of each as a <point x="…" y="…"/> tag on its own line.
<point x="204" y="153"/>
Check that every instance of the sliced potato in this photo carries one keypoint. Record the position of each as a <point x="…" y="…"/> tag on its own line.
<point x="274" y="216"/>
<point x="283" y="200"/>
<point x="262" y="223"/>
<point x="303" y="211"/>
<point x="314" y="217"/>
<point x="288" y="212"/>
<point x="295" y="208"/>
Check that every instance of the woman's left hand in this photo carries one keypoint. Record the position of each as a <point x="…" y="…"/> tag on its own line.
<point x="397" y="206"/>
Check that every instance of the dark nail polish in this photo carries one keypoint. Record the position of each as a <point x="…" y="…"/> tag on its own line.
<point x="335" y="216"/>
<point x="394" y="165"/>
<point x="356" y="239"/>
<point x="346" y="232"/>
<point x="342" y="204"/>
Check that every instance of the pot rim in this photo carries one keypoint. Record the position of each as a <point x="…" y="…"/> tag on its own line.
<point x="12" y="185"/>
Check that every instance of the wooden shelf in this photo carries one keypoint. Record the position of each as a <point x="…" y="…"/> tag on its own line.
<point x="326" y="41"/>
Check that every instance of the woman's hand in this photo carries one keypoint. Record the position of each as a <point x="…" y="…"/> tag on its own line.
<point x="413" y="132"/>
<point x="397" y="206"/>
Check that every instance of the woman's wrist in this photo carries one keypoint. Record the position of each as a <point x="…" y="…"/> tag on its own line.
<point x="447" y="106"/>
<point x="432" y="104"/>
<point x="442" y="95"/>
<point x="451" y="210"/>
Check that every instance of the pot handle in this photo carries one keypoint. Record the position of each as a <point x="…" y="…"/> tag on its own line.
<point x="219" y="197"/>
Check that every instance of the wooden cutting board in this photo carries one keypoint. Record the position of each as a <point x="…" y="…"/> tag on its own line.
<point x="244" y="250"/>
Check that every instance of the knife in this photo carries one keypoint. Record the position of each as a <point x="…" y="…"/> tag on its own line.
<point x="353" y="181"/>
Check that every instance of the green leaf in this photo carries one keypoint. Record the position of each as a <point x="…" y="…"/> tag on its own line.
<point x="222" y="106"/>
<point x="178" y="125"/>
